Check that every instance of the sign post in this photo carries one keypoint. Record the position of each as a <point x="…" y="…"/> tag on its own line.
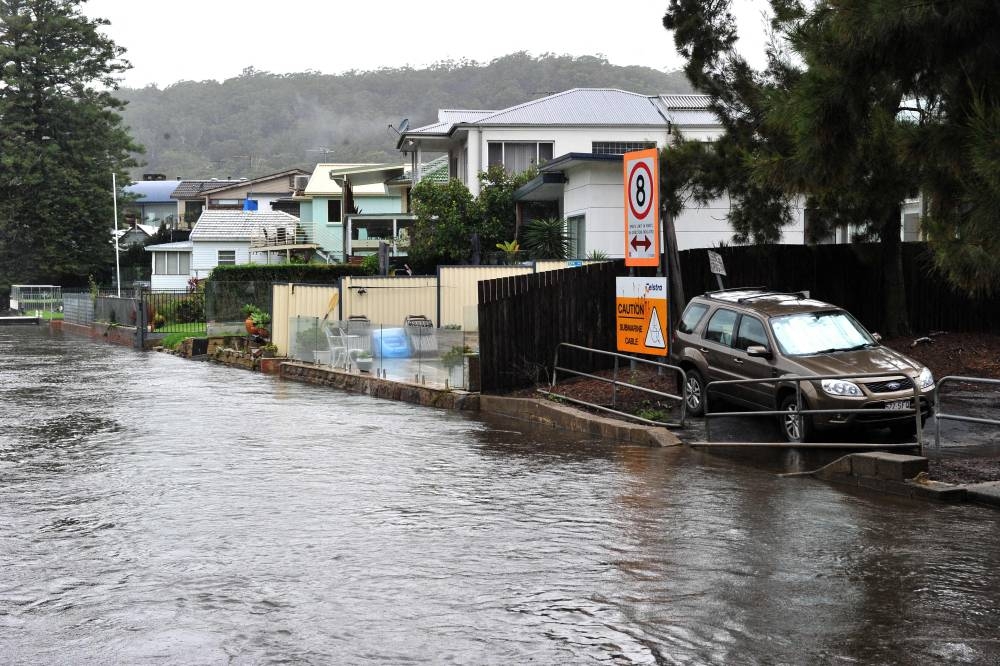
<point x="642" y="208"/>
<point x="716" y="266"/>
<point x="641" y="315"/>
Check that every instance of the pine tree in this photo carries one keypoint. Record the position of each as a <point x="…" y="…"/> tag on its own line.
<point x="61" y="138"/>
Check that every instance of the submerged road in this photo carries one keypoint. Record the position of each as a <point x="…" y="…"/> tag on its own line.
<point x="154" y="510"/>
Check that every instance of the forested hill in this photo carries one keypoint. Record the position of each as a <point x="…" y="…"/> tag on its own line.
<point x="260" y="123"/>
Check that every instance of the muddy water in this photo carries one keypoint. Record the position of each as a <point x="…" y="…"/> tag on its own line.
<point x="154" y="510"/>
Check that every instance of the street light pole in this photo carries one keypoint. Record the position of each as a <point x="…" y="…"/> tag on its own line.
<point x="114" y="199"/>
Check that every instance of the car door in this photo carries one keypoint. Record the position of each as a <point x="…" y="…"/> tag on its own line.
<point x="716" y="347"/>
<point x="751" y="331"/>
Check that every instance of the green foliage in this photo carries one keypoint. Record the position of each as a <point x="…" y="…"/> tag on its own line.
<point x="597" y="255"/>
<point x="302" y="273"/>
<point x="455" y="356"/>
<point x="546" y="238"/>
<point x="61" y="138"/>
<point x="189" y="125"/>
<point x="510" y="249"/>
<point x="445" y="223"/>
<point x="172" y="340"/>
<point x="495" y="211"/>
<point x="183" y="310"/>
<point x="370" y="264"/>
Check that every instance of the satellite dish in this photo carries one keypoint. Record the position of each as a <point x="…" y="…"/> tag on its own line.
<point x="404" y="125"/>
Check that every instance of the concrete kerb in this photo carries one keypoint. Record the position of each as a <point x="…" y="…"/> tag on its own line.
<point x="552" y="415"/>
<point x="890" y="473"/>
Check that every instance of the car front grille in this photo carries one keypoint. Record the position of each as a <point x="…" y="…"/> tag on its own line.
<point x="891" y="385"/>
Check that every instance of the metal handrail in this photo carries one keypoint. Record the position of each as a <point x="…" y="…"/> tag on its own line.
<point x="615" y="383"/>
<point x="798" y="379"/>
<point x="939" y="416"/>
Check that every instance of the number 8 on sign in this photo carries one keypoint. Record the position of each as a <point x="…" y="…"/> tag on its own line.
<point x="642" y="224"/>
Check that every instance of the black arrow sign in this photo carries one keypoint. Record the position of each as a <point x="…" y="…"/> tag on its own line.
<point x="644" y="243"/>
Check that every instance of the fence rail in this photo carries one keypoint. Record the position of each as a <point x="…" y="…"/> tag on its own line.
<point x="615" y="383"/>
<point x="940" y="416"/>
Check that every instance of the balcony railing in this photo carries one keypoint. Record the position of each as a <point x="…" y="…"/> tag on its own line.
<point x="279" y="237"/>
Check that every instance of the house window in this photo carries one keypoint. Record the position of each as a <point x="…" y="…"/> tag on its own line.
<point x="333" y="210"/>
<point x="171" y="263"/>
<point x="577" y="231"/>
<point x="518" y="156"/>
<point x="227" y="258"/>
<point x="619" y="147"/>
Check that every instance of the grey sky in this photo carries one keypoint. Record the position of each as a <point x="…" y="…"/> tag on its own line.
<point x="177" y="40"/>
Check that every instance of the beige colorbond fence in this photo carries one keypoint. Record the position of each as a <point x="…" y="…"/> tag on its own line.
<point x="448" y="299"/>
<point x="299" y="300"/>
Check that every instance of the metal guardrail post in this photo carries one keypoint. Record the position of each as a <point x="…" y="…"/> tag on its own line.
<point x="940" y="416"/>
<point x="615" y="383"/>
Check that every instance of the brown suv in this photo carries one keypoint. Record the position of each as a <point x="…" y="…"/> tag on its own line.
<point x="760" y="334"/>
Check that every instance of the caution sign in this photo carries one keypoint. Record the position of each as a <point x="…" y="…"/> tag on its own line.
<point x="641" y="321"/>
<point x="642" y="208"/>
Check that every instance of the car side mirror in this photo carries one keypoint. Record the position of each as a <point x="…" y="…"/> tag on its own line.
<point x="759" y="351"/>
<point x="877" y="337"/>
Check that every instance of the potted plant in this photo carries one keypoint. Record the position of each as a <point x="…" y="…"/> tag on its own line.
<point x="248" y="311"/>
<point x="364" y="360"/>
<point x="260" y="321"/>
<point x="269" y="350"/>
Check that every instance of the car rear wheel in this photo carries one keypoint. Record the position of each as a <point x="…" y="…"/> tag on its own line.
<point x="694" y="392"/>
<point x="794" y="427"/>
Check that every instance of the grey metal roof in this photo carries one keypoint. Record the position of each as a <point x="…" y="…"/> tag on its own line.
<point x="685" y="101"/>
<point x="192" y="189"/>
<point x="582" y="106"/>
<point x="448" y="118"/>
<point x="688" y="109"/>
<point x="280" y="176"/>
<point x="237" y="224"/>
<point x="179" y="246"/>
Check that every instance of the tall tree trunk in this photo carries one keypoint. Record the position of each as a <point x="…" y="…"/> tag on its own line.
<point x="675" y="280"/>
<point x="895" y="318"/>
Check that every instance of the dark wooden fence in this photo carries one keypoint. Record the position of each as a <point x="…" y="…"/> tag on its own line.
<point x="523" y="318"/>
<point x="849" y="276"/>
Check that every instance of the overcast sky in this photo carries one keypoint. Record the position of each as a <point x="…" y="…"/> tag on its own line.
<point x="185" y="40"/>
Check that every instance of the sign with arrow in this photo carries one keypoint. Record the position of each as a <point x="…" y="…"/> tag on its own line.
<point x="642" y="208"/>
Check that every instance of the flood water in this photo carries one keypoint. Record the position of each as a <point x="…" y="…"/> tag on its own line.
<point x="156" y="510"/>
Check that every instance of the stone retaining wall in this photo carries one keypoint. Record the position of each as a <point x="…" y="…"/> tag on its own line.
<point x="379" y="388"/>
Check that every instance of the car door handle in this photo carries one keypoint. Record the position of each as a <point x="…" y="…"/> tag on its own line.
<point x="737" y="359"/>
<point x="702" y="350"/>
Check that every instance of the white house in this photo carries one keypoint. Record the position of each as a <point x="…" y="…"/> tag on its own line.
<point x="576" y="139"/>
<point x="225" y="238"/>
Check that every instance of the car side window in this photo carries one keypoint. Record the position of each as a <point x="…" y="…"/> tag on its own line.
<point x="751" y="332"/>
<point x="692" y="315"/>
<point x="720" y="327"/>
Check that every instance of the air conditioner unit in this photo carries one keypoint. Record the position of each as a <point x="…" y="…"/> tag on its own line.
<point x="301" y="182"/>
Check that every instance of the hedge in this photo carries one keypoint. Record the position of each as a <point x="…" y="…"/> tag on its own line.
<point x="306" y="273"/>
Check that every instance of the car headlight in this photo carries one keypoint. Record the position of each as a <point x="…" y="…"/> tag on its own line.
<point x="841" y="388"/>
<point x="925" y="379"/>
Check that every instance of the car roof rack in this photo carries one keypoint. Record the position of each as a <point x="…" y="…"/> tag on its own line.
<point x="731" y="289"/>
<point x="796" y="294"/>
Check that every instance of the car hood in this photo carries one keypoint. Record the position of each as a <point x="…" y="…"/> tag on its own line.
<point x="861" y="361"/>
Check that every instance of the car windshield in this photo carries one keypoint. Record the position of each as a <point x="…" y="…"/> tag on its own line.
<point x="819" y="332"/>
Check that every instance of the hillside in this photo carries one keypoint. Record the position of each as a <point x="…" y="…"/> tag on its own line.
<point x="260" y="122"/>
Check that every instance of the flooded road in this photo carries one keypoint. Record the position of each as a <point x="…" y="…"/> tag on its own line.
<point x="155" y="510"/>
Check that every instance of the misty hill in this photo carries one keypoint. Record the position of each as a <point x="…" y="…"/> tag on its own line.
<point x="260" y="123"/>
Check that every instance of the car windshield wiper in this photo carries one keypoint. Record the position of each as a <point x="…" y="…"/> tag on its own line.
<point x="840" y="349"/>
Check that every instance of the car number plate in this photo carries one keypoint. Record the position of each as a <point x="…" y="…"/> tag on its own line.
<point x="897" y="404"/>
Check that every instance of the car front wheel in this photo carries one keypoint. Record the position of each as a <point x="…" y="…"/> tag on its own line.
<point x="694" y="393"/>
<point x="794" y="427"/>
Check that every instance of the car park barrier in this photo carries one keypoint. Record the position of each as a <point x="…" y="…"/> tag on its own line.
<point x="939" y="416"/>
<point x="615" y="383"/>
<point x="914" y="408"/>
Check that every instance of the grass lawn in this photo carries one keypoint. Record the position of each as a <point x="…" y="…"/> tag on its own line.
<point x="196" y="330"/>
